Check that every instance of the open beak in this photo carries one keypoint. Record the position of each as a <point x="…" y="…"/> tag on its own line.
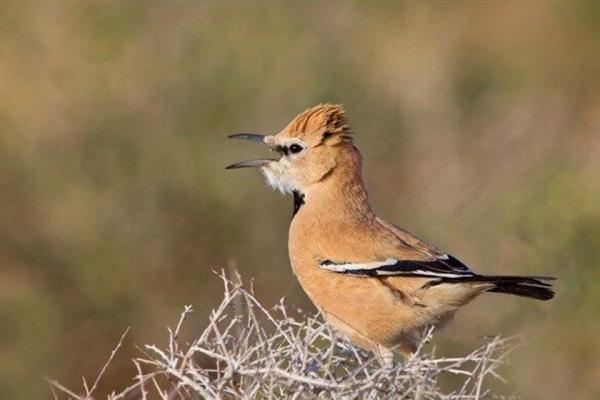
<point x="252" y="137"/>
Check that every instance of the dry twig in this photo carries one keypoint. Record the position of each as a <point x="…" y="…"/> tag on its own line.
<point x="249" y="352"/>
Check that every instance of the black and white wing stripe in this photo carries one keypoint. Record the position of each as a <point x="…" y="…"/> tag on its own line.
<point x="444" y="266"/>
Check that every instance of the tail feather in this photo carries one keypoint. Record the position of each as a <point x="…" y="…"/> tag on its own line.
<point x="534" y="292"/>
<point x="535" y="287"/>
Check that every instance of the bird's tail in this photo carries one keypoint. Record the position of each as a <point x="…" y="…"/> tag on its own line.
<point x="535" y="287"/>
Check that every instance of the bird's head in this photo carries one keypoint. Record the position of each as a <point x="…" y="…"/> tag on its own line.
<point x="310" y="149"/>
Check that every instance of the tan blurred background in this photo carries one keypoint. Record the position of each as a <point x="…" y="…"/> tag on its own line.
<point x="479" y="125"/>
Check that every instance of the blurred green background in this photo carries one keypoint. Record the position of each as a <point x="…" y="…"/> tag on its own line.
<point x="479" y="124"/>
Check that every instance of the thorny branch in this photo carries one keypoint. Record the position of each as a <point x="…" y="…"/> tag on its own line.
<point x="247" y="352"/>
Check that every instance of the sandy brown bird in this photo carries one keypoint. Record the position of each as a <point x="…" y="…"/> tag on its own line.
<point x="376" y="283"/>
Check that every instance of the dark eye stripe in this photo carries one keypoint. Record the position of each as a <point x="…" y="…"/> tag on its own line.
<point x="282" y="149"/>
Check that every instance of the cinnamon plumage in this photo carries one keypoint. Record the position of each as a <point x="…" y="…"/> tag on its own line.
<point x="378" y="284"/>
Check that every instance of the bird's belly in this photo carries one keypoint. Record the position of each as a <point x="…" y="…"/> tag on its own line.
<point x="366" y="310"/>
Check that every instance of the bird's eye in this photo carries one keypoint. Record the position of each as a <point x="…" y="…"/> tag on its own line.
<point x="295" y="148"/>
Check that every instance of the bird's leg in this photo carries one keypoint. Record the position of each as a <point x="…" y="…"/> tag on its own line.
<point x="385" y="356"/>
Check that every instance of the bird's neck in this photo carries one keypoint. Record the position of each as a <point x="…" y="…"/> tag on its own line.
<point x="341" y="195"/>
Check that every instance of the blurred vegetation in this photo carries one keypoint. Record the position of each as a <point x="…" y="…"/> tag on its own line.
<point x="479" y="125"/>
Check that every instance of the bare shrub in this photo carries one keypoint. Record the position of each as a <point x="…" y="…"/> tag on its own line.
<point x="248" y="352"/>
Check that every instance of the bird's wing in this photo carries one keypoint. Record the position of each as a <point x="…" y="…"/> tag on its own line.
<point x="408" y="256"/>
<point x="444" y="266"/>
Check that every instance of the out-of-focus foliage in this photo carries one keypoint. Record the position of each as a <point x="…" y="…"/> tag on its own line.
<point x="479" y="125"/>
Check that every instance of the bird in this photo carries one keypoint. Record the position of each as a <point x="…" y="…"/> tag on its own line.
<point x="379" y="285"/>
